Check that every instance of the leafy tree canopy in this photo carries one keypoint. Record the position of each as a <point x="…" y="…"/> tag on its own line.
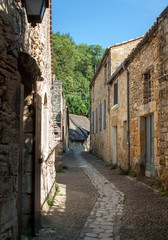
<point x="75" y="66"/>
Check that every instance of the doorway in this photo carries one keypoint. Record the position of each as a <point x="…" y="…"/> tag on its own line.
<point x="150" y="165"/>
<point x="115" y="155"/>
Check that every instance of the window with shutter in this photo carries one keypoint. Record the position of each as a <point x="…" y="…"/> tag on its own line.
<point x="108" y="99"/>
<point x="105" y="72"/>
<point x="104" y="114"/>
<point x="147" y="87"/>
<point x="116" y="93"/>
<point x="96" y="121"/>
<point x="100" y="121"/>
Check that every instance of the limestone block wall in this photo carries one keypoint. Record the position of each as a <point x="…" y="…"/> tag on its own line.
<point x="9" y="124"/>
<point x="120" y="51"/>
<point x="16" y="36"/>
<point x="118" y="119"/>
<point x="163" y="97"/>
<point x="102" y="143"/>
<point x="99" y="139"/>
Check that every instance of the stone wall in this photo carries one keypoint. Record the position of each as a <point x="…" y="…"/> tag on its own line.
<point x="33" y="73"/>
<point x="9" y="123"/>
<point x="145" y="60"/>
<point x="118" y="122"/>
<point x="152" y="56"/>
<point x="148" y="100"/>
<point x="102" y="141"/>
<point x="163" y="97"/>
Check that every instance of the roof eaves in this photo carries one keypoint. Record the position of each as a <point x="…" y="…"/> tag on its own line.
<point x="104" y="56"/>
<point x="148" y="36"/>
<point x="115" y="74"/>
<point x="99" y="67"/>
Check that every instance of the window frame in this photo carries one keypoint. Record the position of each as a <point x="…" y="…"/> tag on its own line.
<point x="115" y="93"/>
<point x="147" y="85"/>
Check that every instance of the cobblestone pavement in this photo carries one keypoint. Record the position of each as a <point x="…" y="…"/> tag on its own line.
<point x="145" y="215"/>
<point x="108" y="208"/>
<point x="97" y="203"/>
<point x="72" y="205"/>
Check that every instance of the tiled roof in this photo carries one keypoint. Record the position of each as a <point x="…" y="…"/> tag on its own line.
<point x="76" y="136"/>
<point x="80" y="121"/>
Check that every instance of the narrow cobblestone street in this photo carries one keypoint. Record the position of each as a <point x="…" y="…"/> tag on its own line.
<point x="95" y="202"/>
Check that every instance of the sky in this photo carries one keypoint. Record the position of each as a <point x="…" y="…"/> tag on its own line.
<point x="105" y="22"/>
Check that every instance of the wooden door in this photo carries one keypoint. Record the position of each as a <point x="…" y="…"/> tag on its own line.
<point x="37" y="162"/>
<point x="150" y="165"/>
<point x="115" y="156"/>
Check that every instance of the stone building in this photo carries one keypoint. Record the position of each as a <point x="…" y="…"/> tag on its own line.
<point x="79" y="133"/>
<point x="146" y="68"/>
<point x="108" y="106"/>
<point x="28" y="146"/>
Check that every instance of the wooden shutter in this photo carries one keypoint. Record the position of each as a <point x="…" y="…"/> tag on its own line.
<point x="96" y="121"/>
<point x="104" y="113"/>
<point x="115" y="93"/>
<point x="100" y="116"/>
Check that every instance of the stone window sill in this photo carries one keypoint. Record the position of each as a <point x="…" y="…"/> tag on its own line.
<point x="115" y="107"/>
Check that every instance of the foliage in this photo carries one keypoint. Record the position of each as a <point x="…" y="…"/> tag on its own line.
<point x="60" y="171"/>
<point x="122" y="171"/>
<point x="57" y="189"/>
<point x="75" y="66"/>
<point x="50" y="200"/>
<point x="132" y="173"/>
<point x="113" y="166"/>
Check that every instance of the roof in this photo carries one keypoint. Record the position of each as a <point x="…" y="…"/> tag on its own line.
<point x="74" y="135"/>
<point x="80" y="121"/>
<point x="106" y="53"/>
<point x="147" y="37"/>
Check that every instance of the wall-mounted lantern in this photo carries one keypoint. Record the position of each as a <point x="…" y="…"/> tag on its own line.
<point x="83" y="96"/>
<point x="35" y="10"/>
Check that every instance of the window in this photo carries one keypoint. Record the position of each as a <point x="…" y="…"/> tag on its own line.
<point x="105" y="72"/>
<point x="95" y="121"/>
<point x="100" y="117"/>
<point x="147" y="87"/>
<point x="103" y="115"/>
<point x="108" y="99"/>
<point x="116" y="93"/>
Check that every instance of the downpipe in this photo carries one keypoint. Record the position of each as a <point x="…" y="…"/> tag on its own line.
<point x="128" y="118"/>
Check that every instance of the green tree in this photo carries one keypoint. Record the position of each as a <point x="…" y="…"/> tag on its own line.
<point x="75" y="65"/>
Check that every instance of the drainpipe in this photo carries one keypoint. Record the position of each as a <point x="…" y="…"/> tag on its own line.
<point x="128" y="118"/>
<point x="90" y="120"/>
